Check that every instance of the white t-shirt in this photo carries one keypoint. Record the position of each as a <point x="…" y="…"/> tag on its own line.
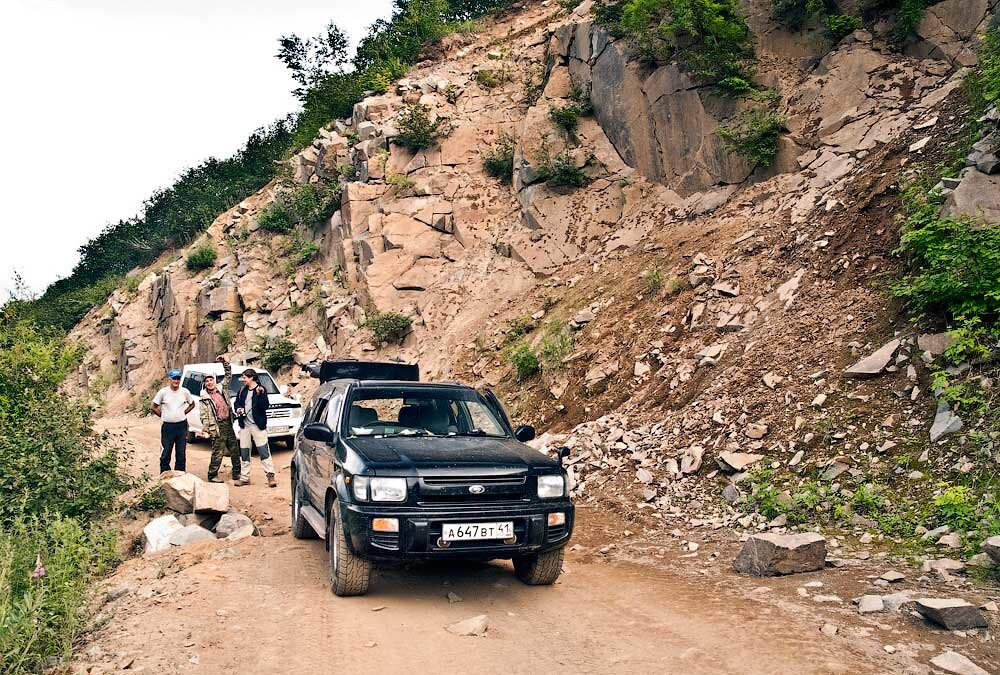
<point x="173" y="403"/>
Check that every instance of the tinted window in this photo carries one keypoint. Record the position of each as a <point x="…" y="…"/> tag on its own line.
<point x="397" y="411"/>
<point x="265" y="381"/>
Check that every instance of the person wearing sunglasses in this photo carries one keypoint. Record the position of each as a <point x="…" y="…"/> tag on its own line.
<point x="172" y="404"/>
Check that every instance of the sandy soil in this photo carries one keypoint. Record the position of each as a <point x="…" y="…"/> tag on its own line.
<point x="263" y="605"/>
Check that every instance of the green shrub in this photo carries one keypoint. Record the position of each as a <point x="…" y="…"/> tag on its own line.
<point x="132" y="282"/>
<point x="490" y="79"/>
<point x="555" y="344"/>
<point x="201" y="258"/>
<point x="523" y="359"/>
<point x="400" y="181"/>
<point x="984" y="82"/>
<point x="151" y="500"/>
<point x="275" y="352"/>
<point x="794" y="14"/>
<point x="839" y="26"/>
<point x="388" y="327"/>
<point x="754" y="135"/>
<point x="498" y="161"/>
<point x="276" y="218"/>
<point x="416" y="130"/>
<point x="559" y="171"/>
<point x="566" y="117"/>
<point x="225" y="336"/>
<point x="652" y="279"/>
<point x="709" y="38"/>
<point x="312" y="203"/>
<point x="517" y="328"/>
<point x="954" y="507"/>
<point x="953" y="263"/>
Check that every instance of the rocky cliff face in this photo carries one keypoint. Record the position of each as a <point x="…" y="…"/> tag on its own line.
<point x="772" y="265"/>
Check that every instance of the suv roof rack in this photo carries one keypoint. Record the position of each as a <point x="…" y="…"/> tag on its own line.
<point x="352" y="369"/>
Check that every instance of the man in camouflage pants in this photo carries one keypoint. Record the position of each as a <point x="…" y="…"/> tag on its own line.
<point x="217" y="424"/>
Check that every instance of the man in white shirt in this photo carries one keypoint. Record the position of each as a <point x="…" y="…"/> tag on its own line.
<point x="172" y="404"/>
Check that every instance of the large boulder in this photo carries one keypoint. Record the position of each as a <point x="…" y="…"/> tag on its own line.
<point x="951" y="613"/>
<point x="210" y="497"/>
<point x="179" y="492"/>
<point x="953" y="662"/>
<point x="188" y="534"/>
<point x="776" y="554"/>
<point x="992" y="548"/>
<point x="157" y="533"/>
<point x="977" y="196"/>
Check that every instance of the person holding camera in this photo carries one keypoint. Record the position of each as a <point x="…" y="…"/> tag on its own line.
<point x="251" y="414"/>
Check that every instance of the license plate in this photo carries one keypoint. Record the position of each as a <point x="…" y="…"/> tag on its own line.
<point x="477" y="531"/>
<point x="278" y="428"/>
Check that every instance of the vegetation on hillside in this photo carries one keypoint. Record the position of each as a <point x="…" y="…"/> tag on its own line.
<point x="797" y="14"/>
<point x="59" y="480"/>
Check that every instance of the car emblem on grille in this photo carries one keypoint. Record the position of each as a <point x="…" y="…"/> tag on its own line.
<point x="477" y="489"/>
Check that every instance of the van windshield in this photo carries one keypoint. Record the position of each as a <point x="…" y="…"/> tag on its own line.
<point x="382" y="412"/>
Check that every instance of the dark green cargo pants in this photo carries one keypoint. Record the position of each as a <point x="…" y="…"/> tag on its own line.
<point x="225" y="443"/>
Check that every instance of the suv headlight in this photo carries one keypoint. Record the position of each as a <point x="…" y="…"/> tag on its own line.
<point x="551" y="486"/>
<point x="388" y="489"/>
<point x="361" y="488"/>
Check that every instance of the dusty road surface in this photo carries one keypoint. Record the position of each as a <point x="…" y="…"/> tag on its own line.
<point x="263" y="605"/>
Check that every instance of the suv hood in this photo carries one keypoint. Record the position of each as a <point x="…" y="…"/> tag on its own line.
<point x="422" y="453"/>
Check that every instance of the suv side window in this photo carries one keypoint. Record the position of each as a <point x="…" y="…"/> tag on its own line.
<point x="333" y="410"/>
<point x="318" y="409"/>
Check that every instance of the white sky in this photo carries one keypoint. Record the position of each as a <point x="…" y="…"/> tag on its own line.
<point x="103" y="101"/>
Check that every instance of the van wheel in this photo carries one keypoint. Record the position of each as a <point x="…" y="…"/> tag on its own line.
<point x="349" y="573"/>
<point x="301" y="529"/>
<point x="541" y="569"/>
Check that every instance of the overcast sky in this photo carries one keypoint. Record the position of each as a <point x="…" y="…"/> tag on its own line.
<point x="106" y="100"/>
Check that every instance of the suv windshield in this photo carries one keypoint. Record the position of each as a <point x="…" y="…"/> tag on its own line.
<point x="395" y="411"/>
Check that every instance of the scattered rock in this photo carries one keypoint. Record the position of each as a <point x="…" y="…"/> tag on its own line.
<point x="119" y="591"/>
<point x="210" y="497"/>
<point x="951" y="613"/>
<point x="731" y="462"/>
<point x="644" y="476"/>
<point x="953" y="662"/>
<point x="241" y="533"/>
<point x="875" y="364"/>
<point x="454" y="597"/>
<point x="992" y="548"/>
<point x="230" y="523"/>
<point x="892" y="576"/>
<point x="179" y="492"/>
<point x="869" y="604"/>
<point x="945" y="422"/>
<point x="476" y="625"/>
<point x="774" y="554"/>
<point x="828" y="629"/>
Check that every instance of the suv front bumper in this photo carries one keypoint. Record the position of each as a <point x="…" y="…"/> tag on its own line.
<point x="419" y="535"/>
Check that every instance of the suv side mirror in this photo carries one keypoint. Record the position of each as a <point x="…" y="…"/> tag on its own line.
<point x="524" y="433"/>
<point x="317" y="431"/>
<point x="562" y="453"/>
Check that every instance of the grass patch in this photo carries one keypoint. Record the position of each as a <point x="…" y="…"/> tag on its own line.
<point x="523" y="359"/>
<point x="400" y="181"/>
<point x="567" y="117"/>
<point x="555" y="345"/>
<point x="498" y="161"/>
<point x="201" y="258"/>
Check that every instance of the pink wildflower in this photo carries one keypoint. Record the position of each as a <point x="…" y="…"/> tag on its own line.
<point x="39" y="568"/>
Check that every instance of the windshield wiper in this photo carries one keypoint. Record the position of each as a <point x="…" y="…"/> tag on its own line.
<point x="413" y="432"/>
<point x="474" y="432"/>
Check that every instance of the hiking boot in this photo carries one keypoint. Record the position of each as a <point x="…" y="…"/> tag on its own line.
<point x="215" y="479"/>
<point x="242" y="481"/>
<point x="270" y="480"/>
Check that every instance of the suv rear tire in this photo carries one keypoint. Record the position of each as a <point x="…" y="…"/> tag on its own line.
<point x="349" y="573"/>
<point x="301" y="529"/>
<point x="540" y="569"/>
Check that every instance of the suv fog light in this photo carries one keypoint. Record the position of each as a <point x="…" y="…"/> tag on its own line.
<point x="511" y="541"/>
<point x="557" y="518"/>
<point x="385" y="524"/>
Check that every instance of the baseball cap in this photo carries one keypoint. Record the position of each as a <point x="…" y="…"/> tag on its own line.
<point x="174" y="373"/>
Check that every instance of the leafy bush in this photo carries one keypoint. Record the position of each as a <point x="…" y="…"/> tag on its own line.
<point x="652" y="279"/>
<point x="709" y="38"/>
<point x="151" y="500"/>
<point x="416" y="130"/>
<point x="523" y="359"/>
<point x="489" y="79"/>
<point x="908" y="13"/>
<point x="498" y="161"/>
<point x="566" y="117"/>
<point x="46" y="564"/>
<point x="299" y="251"/>
<point x="559" y="171"/>
<point x="399" y="181"/>
<point x="984" y="81"/>
<point x="555" y="344"/>
<point x="225" y="336"/>
<point x="201" y="258"/>
<point x="953" y="262"/>
<point x="955" y="507"/>
<point x="840" y="26"/>
<point x="754" y="135"/>
<point x="275" y="352"/>
<point x="276" y="218"/>
<point x="313" y="203"/>
<point x="388" y="327"/>
<point x="794" y="14"/>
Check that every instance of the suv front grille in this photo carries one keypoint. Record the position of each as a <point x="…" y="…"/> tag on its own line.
<point x="472" y="490"/>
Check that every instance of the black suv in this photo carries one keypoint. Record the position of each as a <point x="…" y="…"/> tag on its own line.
<point x="393" y="469"/>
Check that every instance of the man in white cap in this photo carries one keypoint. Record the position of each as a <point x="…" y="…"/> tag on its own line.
<point x="172" y="404"/>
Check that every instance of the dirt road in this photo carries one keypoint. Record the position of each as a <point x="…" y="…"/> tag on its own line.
<point x="263" y="605"/>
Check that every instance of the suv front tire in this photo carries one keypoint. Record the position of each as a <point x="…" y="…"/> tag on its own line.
<point x="540" y="569"/>
<point x="301" y="529"/>
<point x="349" y="573"/>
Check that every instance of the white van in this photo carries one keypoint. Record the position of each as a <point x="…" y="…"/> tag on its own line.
<point x="284" y="415"/>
